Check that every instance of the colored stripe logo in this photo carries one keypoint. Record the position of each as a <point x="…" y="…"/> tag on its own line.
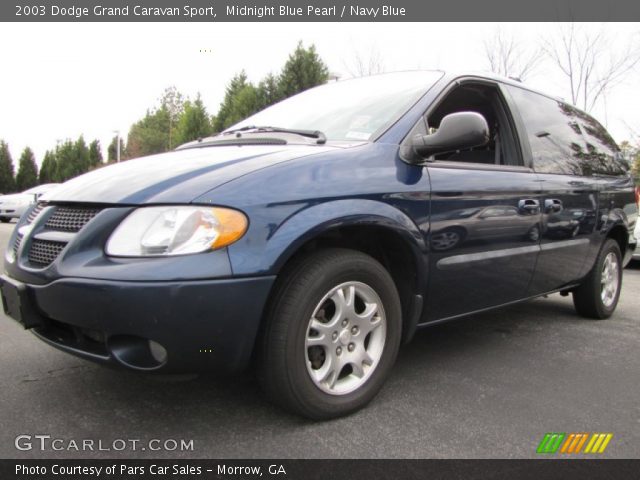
<point x="574" y="443"/>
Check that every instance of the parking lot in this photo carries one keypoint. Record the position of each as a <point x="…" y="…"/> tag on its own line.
<point x="487" y="386"/>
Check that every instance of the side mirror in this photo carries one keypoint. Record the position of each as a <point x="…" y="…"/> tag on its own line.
<point x="457" y="131"/>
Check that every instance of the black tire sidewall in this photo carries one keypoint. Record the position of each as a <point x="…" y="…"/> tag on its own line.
<point x="357" y="268"/>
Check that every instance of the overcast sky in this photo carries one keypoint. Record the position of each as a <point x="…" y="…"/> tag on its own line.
<point x="60" y="80"/>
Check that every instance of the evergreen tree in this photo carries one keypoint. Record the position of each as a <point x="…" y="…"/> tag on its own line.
<point x="72" y="159"/>
<point x="81" y="161"/>
<point x="48" y="168"/>
<point x="95" y="155"/>
<point x="27" y="176"/>
<point x="150" y="134"/>
<point x="304" y="69"/>
<point x="269" y="91"/>
<point x="193" y="123"/>
<point x="156" y="131"/>
<point x="7" y="180"/>
<point x="245" y="103"/>
<point x="230" y="105"/>
<point x="65" y="161"/>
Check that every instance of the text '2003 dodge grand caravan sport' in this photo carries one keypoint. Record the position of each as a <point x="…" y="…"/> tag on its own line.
<point x="315" y="236"/>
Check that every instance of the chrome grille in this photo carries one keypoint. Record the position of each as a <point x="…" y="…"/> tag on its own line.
<point x="71" y="219"/>
<point x="16" y="244"/>
<point x="35" y="212"/>
<point x="43" y="252"/>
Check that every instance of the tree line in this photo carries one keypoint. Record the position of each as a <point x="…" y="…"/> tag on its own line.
<point x="174" y="121"/>
<point x="67" y="160"/>
<point x="177" y="120"/>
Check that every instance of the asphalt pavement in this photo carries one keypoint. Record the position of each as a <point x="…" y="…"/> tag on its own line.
<point x="486" y="386"/>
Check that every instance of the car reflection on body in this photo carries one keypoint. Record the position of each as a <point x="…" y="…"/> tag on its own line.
<point x="482" y="224"/>
<point x="565" y="224"/>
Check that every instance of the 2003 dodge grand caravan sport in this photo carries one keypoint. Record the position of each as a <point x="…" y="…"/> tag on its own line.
<point x="315" y="236"/>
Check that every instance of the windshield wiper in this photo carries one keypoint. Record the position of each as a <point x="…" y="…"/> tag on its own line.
<point x="320" y="137"/>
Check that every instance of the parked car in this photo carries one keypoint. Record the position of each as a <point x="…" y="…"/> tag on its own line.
<point x="636" y="254"/>
<point x="496" y="222"/>
<point x="636" y="233"/>
<point x="302" y="237"/>
<point x="14" y="205"/>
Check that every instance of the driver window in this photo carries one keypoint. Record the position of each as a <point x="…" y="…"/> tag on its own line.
<point x="485" y="100"/>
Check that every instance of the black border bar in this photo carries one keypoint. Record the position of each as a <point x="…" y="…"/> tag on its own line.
<point x="548" y="469"/>
<point x="318" y="10"/>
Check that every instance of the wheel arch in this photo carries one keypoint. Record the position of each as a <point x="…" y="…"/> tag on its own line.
<point x="620" y="234"/>
<point x="375" y="228"/>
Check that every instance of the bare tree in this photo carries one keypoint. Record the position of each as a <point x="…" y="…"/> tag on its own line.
<point x="509" y="58"/>
<point x="633" y="133"/>
<point x="173" y="101"/>
<point x="589" y="63"/>
<point x="365" y="64"/>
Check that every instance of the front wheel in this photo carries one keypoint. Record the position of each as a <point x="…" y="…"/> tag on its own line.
<point x="332" y="334"/>
<point x="597" y="296"/>
<point x="5" y="219"/>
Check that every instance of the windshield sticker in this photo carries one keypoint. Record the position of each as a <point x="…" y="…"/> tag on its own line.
<point x="361" y="122"/>
<point x="358" y="135"/>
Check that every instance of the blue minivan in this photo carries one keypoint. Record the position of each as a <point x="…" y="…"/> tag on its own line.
<point x="313" y="238"/>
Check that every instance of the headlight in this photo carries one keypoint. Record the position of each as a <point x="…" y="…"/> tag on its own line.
<point x="175" y="230"/>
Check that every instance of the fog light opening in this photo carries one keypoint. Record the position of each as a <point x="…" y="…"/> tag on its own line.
<point x="136" y="352"/>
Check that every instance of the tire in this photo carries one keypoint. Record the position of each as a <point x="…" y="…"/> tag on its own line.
<point x="5" y="219"/>
<point x="533" y="234"/>
<point x="293" y="357"/>
<point x="448" y="238"/>
<point x="590" y="298"/>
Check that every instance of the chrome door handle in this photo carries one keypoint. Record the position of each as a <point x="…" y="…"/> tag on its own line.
<point x="530" y="206"/>
<point x="552" y="205"/>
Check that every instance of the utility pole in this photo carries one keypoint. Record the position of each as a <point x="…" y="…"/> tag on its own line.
<point x="117" y="132"/>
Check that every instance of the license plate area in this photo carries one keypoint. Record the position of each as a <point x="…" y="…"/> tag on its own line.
<point x="16" y="304"/>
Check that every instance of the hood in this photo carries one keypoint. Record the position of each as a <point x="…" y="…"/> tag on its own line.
<point x="174" y="177"/>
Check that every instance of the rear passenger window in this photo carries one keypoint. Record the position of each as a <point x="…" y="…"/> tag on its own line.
<point x="554" y="133"/>
<point x="564" y="139"/>
<point x="602" y="152"/>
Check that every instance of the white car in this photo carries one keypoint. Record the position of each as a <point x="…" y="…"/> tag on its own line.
<point x="14" y="205"/>
<point x="636" y="232"/>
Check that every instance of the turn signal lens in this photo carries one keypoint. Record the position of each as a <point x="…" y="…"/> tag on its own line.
<point x="232" y="223"/>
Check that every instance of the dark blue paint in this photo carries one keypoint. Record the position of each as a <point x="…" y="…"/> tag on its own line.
<point x="292" y="194"/>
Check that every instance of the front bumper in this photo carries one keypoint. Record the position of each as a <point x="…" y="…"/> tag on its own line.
<point x="203" y="325"/>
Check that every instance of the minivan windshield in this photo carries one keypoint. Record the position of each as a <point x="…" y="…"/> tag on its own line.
<point x="349" y="110"/>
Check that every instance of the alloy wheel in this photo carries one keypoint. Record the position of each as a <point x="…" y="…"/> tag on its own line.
<point x="345" y="338"/>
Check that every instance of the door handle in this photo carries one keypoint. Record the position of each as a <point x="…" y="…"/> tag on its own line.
<point x="530" y="206"/>
<point x="552" y="205"/>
